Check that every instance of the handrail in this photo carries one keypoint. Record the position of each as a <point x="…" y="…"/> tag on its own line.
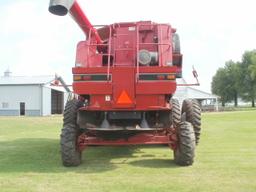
<point x="109" y="51"/>
<point x="88" y="48"/>
<point x="160" y="46"/>
<point x="137" y="51"/>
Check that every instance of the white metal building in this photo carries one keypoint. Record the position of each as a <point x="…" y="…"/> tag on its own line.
<point x="30" y="96"/>
<point x="186" y="92"/>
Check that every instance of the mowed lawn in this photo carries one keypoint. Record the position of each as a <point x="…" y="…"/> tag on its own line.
<point x="225" y="160"/>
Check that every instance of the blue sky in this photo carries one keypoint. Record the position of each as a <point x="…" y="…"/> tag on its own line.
<point x="34" y="42"/>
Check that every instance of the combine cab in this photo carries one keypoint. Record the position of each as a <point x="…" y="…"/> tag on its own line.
<point x="123" y="81"/>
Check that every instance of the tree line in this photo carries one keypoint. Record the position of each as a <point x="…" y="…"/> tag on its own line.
<point x="236" y="79"/>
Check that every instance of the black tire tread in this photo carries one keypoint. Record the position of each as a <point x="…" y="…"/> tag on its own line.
<point x="193" y="115"/>
<point x="185" y="152"/>
<point x="71" y="156"/>
<point x="175" y="113"/>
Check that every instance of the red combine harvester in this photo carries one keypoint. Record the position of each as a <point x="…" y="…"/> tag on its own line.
<point x="123" y="81"/>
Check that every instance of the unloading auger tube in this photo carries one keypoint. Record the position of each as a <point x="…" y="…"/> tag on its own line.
<point x="62" y="7"/>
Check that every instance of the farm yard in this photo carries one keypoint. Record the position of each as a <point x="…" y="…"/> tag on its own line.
<point x="225" y="159"/>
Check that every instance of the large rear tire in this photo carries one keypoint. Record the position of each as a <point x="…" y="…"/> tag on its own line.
<point x="175" y="113"/>
<point x="71" y="156"/>
<point x="185" y="151"/>
<point x="193" y="115"/>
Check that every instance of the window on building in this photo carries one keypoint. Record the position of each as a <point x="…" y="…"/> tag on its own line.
<point x="5" y="105"/>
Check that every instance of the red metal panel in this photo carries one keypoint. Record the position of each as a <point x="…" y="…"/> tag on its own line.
<point x="142" y="138"/>
<point x="106" y="107"/>
<point x="148" y="138"/>
<point x="81" y="58"/>
<point x="123" y="80"/>
<point x="156" y="87"/>
<point x="125" y="39"/>
<point x="86" y="55"/>
<point x="147" y="34"/>
<point x="165" y="47"/>
<point x="150" y="101"/>
<point x="92" y="88"/>
<point x="99" y="103"/>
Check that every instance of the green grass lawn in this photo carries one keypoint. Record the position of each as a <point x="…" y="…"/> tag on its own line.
<point x="225" y="160"/>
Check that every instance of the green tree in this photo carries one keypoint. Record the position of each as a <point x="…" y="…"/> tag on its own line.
<point x="232" y="83"/>
<point x="225" y="83"/>
<point x="218" y="85"/>
<point x="247" y="76"/>
<point x="252" y="67"/>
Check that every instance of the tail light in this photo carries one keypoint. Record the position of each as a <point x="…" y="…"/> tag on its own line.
<point x="90" y="77"/>
<point x="160" y="77"/>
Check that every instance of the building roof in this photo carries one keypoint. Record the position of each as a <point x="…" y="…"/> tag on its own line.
<point x="26" y="80"/>
<point x="190" y="92"/>
<point x="44" y="80"/>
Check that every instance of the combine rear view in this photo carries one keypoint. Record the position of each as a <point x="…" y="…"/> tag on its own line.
<point x="124" y="80"/>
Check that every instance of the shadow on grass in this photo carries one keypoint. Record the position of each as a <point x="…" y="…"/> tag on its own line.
<point x="42" y="155"/>
<point x="155" y="163"/>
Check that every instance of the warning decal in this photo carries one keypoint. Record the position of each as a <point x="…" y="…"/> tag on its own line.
<point x="124" y="98"/>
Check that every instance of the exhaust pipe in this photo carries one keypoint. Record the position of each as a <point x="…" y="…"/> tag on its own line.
<point x="62" y="7"/>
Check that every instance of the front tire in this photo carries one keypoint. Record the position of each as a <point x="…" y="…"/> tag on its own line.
<point x="185" y="151"/>
<point x="71" y="155"/>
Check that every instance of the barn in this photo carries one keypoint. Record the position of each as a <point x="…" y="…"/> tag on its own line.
<point x="30" y="96"/>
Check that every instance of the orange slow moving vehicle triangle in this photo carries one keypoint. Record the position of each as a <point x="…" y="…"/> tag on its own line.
<point x="124" y="98"/>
